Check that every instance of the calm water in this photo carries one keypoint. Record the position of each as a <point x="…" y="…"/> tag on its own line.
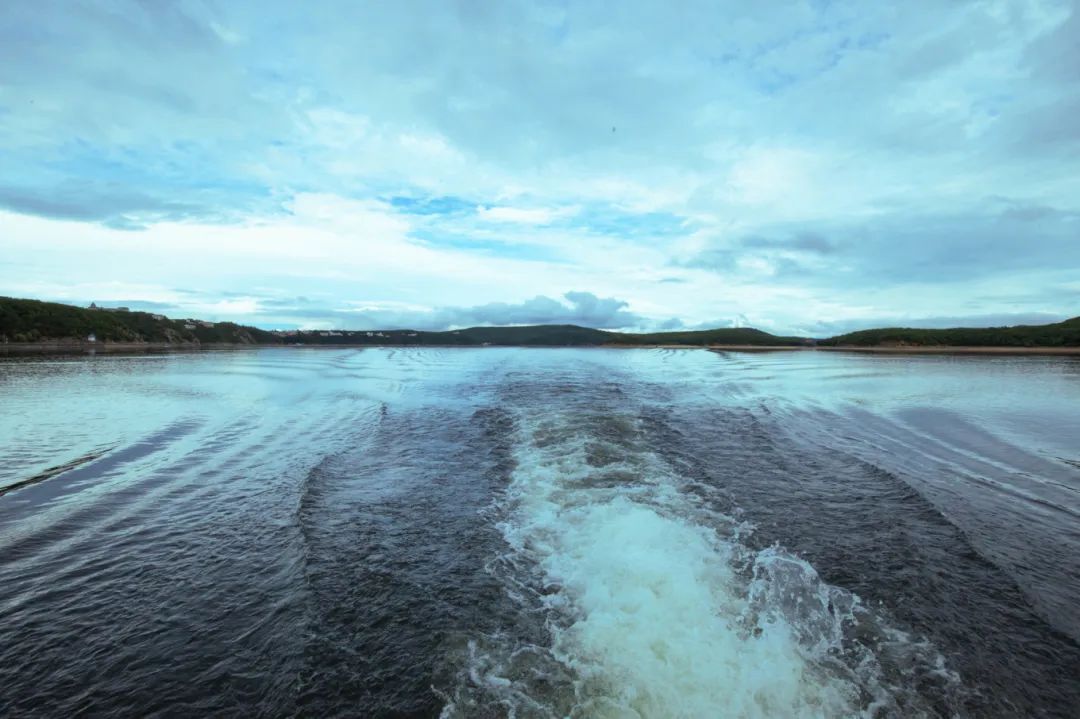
<point x="541" y="533"/>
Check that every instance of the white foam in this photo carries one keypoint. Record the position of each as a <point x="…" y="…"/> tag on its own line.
<point x="655" y="621"/>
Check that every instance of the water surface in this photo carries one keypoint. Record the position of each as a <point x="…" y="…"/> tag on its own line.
<point x="541" y="533"/>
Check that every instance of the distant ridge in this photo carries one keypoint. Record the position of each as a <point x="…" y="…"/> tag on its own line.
<point x="1058" y="334"/>
<point x="32" y="322"/>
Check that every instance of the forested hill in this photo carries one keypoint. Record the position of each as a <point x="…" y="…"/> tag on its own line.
<point x="31" y="321"/>
<point x="34" y="321"/>
<point x="720" y="336"/>
<point x="563" y="335"/>
<point x="1060" y="334"/>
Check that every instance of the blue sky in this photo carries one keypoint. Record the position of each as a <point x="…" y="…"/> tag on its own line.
<point x="803" y="167"/>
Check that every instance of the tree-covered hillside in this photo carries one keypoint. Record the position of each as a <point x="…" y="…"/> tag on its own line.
<point x="544" y="335"/>
<point x="1061" y="334"/>
<point x="34" y="321"/>
<point x="721" y="336"/>
<point x="540" y="335"/>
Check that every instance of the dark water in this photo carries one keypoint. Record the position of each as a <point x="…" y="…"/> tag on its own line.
<point x="541" y="533"/>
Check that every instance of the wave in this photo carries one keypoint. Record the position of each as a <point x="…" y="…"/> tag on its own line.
<point x="651" y="604"/>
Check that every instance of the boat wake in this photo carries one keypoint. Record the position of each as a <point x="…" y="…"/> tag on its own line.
<point x="645" y="601"/>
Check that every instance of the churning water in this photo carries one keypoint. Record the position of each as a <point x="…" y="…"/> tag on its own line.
<point x="540" y="533"/>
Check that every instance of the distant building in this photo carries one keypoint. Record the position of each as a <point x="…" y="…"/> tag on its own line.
<point x="91" y="337"/>
<point x="189" y="326"/>
<point x="204" y="323"/>
<point x="159" y="317"/>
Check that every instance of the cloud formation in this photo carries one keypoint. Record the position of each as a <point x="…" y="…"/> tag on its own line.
<point x="828" y="163"/>
<point x="577" y="308"/>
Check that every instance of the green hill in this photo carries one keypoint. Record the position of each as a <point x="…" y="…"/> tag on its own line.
<point x="1060" y="334"/>
<point x="29" y="321"/>
<point x="721" y="336"/>
<point x="543" y="336"/>
<point x="34" y="321"/>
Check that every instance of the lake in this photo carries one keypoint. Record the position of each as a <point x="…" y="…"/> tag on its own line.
<point x="540" y="533"/>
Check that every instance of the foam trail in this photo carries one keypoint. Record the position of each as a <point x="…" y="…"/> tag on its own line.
<point x="649" y="613"/>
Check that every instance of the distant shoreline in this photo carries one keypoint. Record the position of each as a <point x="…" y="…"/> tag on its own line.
<point x="32" y="326"/>
<point x="76" y="348"/>
<point x="957" y="349"/>
<point x="911" y="350"/>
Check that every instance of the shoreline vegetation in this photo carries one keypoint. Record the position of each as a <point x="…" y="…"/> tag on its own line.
<point x="35" y="327"/>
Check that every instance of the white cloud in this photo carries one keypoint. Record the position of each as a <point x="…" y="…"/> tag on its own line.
<point x="525" y="215"/>
<point x="773" y="175"/>
<point x="545" y="150"/>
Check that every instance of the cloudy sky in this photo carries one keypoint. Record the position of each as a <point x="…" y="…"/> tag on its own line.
<point x="801" y="167"/>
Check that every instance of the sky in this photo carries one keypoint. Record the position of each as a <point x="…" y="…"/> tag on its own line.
<point x="802" y="167"/>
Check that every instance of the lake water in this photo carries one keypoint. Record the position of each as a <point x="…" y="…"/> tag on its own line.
<point x="541" y="533"/>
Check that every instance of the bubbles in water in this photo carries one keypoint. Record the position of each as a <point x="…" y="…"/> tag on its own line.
<point x="650" y="605"/>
